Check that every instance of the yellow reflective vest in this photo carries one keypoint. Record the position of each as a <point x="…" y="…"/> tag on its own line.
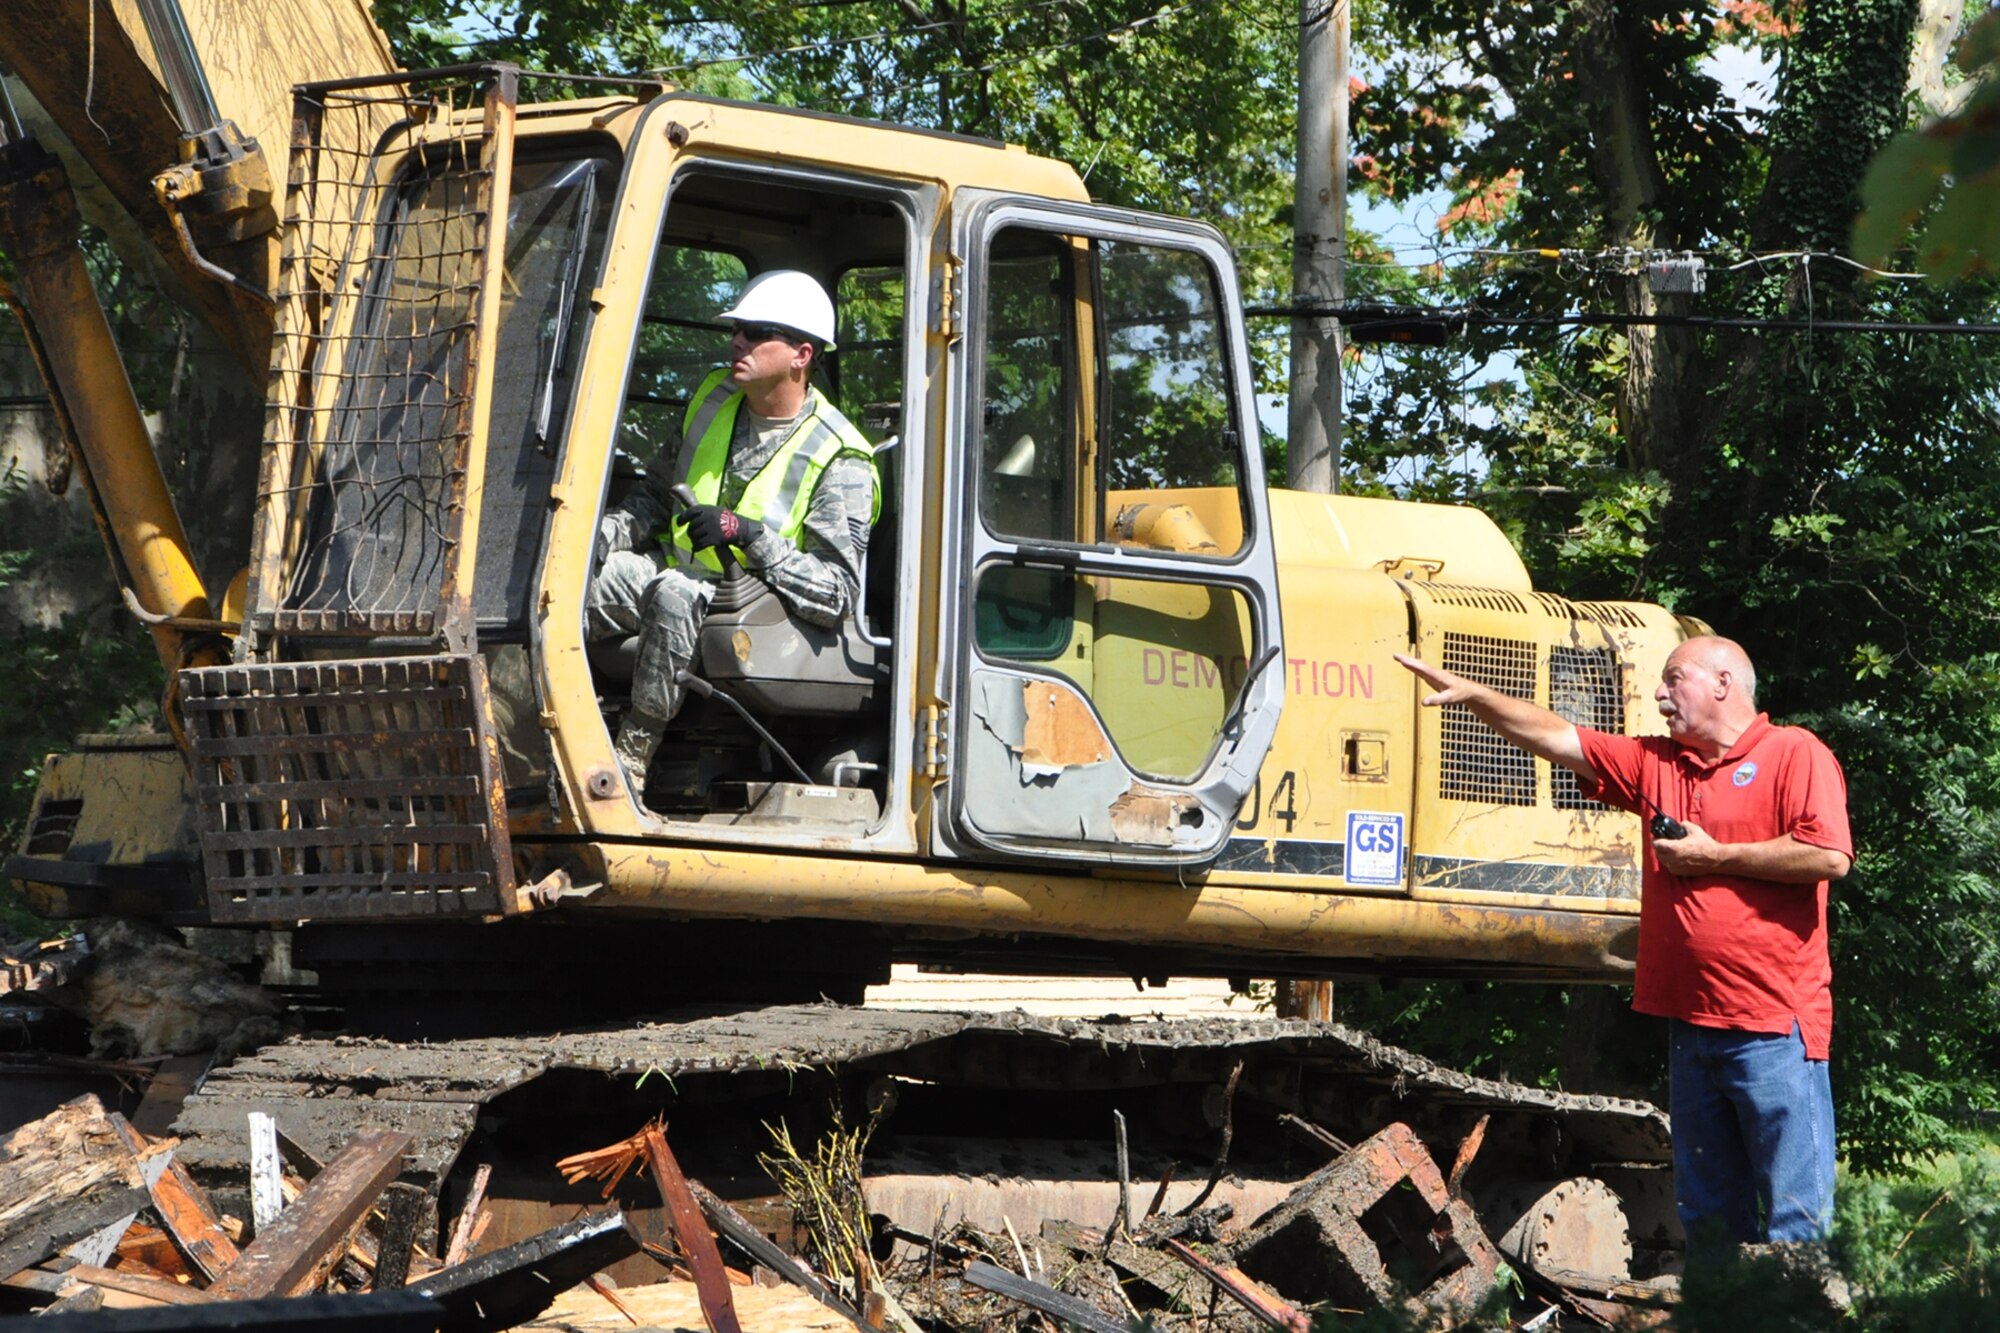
<point x="781" y="493"/>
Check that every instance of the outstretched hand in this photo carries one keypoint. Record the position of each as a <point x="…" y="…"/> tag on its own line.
<point x="1450" y="689"/>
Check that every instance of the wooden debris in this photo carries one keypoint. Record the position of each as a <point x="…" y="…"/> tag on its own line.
<point x="164" y="1290"/>
<point x="598" y="1283"/>
<point x="1245" y="1290"/>
<point x="79" y="1300"/>
<point x="691" y="1229"/>
<point x="466" y="1232"/>
<point x="1311" y="1133"/>
<point x="1043" y="1297"/>
<point x="1228" y="1136"/>
<point x="173" y="1080"/>
<point x="267" y="1172"/>
<point x="1159" y="1277"/>
<point x="43" y="966"/>
<point x="734" y="1228"/>
<point x="62" y="1178"/>
<point x="676" y="1305"/>
<point x="184" y="1211"/>
<point x="404" y="1208"/>
<point x="311" y="1235"/>
<point x="1467" y="1150"/>
<point x="150" y="1247"/>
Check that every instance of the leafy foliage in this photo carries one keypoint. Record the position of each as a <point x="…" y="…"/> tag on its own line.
<point x="1825" y="498"/>
<point x="1941" y="179"/>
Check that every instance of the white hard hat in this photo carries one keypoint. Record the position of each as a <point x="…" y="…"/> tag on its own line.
<point x="788" y="297"/>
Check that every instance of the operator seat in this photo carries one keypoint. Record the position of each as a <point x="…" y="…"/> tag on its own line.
<point x="775" y="665"/>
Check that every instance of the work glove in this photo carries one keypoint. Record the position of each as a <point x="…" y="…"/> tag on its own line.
<point x="712" y="525"/>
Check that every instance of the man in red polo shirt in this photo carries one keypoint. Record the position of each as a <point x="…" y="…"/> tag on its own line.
<point x="1732" y="926"/>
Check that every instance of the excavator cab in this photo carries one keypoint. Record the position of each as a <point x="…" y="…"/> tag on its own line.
<point x="776" y="704"/>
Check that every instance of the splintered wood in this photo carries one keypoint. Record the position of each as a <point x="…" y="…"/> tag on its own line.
<point x="96" y="1215"/>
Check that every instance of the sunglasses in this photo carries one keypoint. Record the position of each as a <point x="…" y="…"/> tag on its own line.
<point x="763" y="333"/>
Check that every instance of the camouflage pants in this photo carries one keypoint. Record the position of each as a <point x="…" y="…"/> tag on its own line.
<point x="636" y="593"/>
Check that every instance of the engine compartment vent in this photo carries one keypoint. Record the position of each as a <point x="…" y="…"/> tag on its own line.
<point x="1584" y="688"/>
<point x="1603" y="613"/>
<point x="1478" y="599"/>
<point x="1476" y="764"/>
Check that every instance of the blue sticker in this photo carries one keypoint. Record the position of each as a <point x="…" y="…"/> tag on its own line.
<point x="1374" y="849"/>
<point x="1745" y="774"/>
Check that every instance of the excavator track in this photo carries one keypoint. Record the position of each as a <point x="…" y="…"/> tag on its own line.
<point x="971" y="1093"/>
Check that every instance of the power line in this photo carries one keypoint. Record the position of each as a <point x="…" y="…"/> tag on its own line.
<point x="1432" y="320"/>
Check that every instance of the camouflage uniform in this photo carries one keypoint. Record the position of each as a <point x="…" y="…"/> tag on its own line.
<point x="640" y="589"/>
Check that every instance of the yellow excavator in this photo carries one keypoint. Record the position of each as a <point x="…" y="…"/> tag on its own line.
<point x="1107" y="702"/>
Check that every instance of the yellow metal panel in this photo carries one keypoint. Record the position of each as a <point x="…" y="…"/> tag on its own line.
<point x="1476" y="850"/>
<point x="253" y="51"/>
<point x="744" y="131"/>
<point x="1115" y="908"/>
<point x="1340" y="685"/>
<point x="1359" y="532"/>
<point x="136" y="804"/>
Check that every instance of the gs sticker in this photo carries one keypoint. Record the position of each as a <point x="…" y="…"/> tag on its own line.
<point x="1374" y="849"/>
<point x="1745" y="774"/>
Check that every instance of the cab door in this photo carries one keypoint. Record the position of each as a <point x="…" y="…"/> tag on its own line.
<point x="1112" y="668"/>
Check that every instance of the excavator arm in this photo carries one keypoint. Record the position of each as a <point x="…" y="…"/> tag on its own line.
<point x="161" y="108"/>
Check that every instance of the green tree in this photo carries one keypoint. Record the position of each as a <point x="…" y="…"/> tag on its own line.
<point x="1823" y="497"/>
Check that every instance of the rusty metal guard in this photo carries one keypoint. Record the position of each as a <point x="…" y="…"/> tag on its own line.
<point x="375" y="428"/>
<point x="348" y="789"/>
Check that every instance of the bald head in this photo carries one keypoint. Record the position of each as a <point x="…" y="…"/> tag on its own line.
<point x="1708" y="693"/>
<point x="1721" y="657"/>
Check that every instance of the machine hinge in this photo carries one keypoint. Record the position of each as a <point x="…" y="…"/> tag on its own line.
<point x="931" y="733"/>
<point x="951" y="296"/>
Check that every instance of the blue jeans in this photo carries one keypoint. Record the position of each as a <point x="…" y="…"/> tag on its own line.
<point x="1753" y="1134"/>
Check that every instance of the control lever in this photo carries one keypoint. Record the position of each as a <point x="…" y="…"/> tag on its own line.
<point x="684" y="496"/>
<point x="739" y="587"/>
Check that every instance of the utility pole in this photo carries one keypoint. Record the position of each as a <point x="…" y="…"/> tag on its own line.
<point x="1319" y="231"/>
<point x="1319" y="256"/>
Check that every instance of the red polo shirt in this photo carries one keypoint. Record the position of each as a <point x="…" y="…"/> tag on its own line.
<point x="1724" y="951"/>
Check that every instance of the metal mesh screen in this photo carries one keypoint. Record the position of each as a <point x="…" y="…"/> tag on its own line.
<point x="1476" y="765"/>
<point x="347" y="789"/>
<point x="388" y="207"/>
<point x="1584" y="688"/>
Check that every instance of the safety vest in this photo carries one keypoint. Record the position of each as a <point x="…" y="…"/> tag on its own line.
<point x="781" y="493"/>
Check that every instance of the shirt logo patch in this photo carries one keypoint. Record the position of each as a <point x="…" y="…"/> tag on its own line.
<point x="1745" y="774"/>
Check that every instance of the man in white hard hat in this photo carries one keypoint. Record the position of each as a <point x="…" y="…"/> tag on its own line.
<point x="777" y="473"/>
